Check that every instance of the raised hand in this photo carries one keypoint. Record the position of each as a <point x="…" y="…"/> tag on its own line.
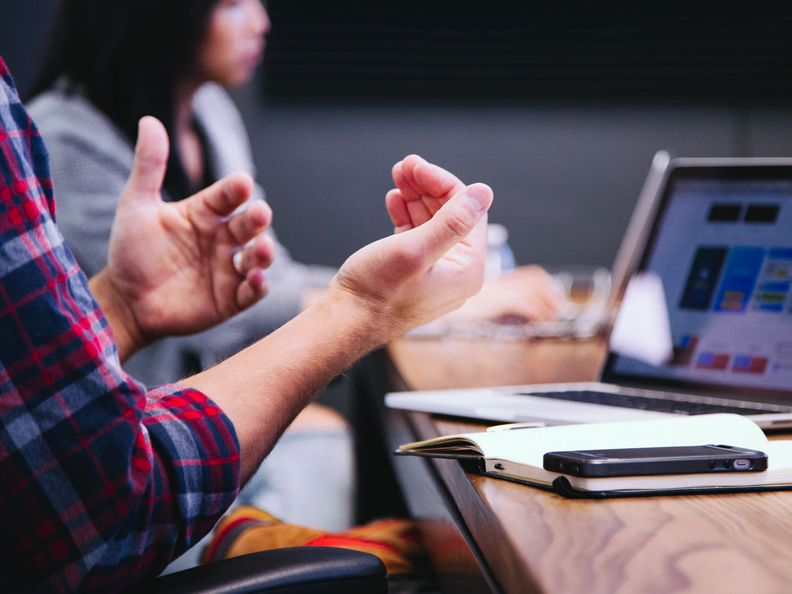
<point x="170" y="265"/>
<point x="422" y="188"/>
<point x="434" y="262"/>
<point x="528" y="294"/>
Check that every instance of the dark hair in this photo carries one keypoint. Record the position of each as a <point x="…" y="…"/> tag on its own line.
<point x="126" y="57"/>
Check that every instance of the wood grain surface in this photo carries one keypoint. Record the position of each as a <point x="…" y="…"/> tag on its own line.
<point x="537" y="541"/>
<point x="476" y="363"/>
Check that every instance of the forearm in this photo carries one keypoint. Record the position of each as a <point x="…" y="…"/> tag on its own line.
<point x="263" y="388"/>
<point x="127" y="335"/>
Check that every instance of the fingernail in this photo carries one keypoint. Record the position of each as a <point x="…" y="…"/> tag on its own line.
<point x="479" y="196"/>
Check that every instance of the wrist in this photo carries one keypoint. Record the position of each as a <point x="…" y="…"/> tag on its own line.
<point x="128" y="336"/>
<point x="365" y="325"/>
<point x="311" y="297"/>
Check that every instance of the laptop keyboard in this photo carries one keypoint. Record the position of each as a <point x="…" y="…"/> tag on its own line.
<point x="676" y="403"/>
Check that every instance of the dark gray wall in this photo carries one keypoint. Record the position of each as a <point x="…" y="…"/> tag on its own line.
<point x="565" y="178"/>
<point x="24" y="25"/>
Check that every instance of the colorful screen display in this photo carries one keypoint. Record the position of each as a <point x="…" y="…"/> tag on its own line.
<point x="723" y="250"/>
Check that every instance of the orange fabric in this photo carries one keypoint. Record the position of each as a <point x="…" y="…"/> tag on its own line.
<point x="249" y="530"/>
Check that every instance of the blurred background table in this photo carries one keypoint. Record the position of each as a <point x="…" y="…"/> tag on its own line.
<point x="489" y="535"/>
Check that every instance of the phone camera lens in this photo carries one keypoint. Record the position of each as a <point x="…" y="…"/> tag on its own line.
<point x="727" y="463"/>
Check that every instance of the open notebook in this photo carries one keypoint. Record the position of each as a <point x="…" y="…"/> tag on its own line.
<point x="517" y="454"/>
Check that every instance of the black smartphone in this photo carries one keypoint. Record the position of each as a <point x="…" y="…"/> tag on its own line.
<point x="652" y="461"/>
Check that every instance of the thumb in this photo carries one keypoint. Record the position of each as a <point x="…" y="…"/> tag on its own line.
<point x="452" y="223"/>
<point x="151" y="159"/>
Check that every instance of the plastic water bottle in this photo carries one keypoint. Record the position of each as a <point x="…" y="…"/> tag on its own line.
<point x="500" y="258"/>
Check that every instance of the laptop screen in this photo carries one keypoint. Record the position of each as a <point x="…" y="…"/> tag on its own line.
<point x="721" y="246"/>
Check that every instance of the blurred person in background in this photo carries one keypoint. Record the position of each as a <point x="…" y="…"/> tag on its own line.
<point x="109" y="64"/>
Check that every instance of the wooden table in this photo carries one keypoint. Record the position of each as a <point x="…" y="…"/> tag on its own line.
<point x="489" y="535"/>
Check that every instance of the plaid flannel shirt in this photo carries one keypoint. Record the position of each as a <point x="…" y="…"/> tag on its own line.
<point x="102" y="483"/>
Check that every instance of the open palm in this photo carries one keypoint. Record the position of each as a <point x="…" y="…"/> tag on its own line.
<point x="172" y="262"/>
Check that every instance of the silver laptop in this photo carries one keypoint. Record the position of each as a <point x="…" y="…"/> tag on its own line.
<point x="717" y="235"/>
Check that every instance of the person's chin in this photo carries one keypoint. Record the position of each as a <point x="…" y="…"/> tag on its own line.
<point x="236" y="78"/>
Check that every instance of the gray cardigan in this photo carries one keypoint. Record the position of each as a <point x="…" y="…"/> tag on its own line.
<point x="90" y="161"/>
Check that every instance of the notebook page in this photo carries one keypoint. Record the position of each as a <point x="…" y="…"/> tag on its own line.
<point x="528" y="446"/>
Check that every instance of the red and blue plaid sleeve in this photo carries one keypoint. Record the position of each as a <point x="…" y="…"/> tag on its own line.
<point x="102" y="483"/>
